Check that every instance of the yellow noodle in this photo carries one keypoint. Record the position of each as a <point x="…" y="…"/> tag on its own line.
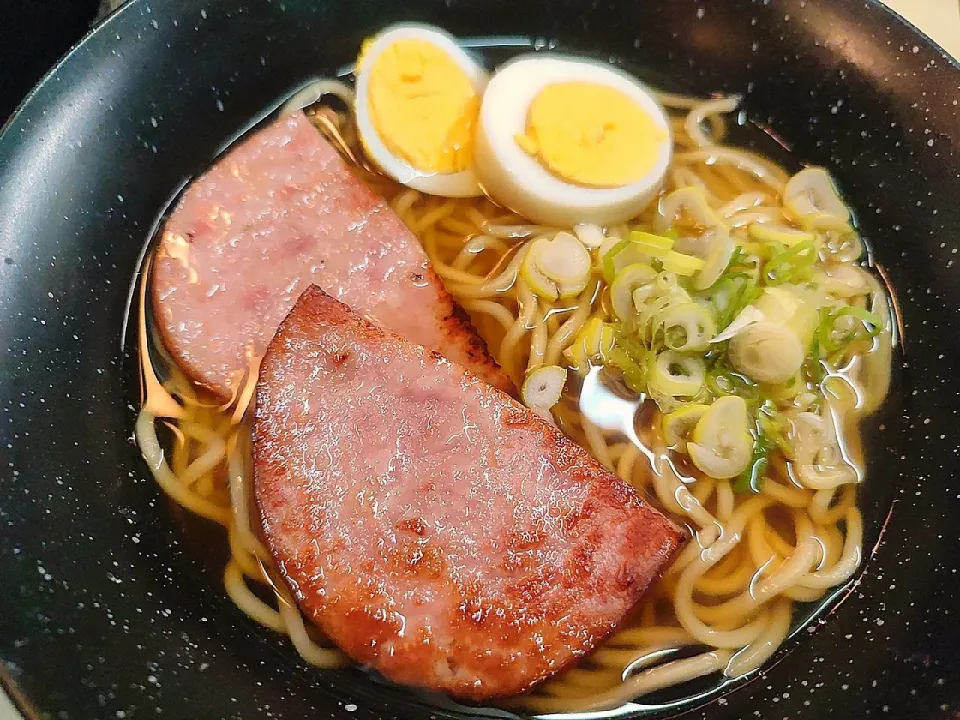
<point x="647" y="681"/>
<point x="687" y="177"/>
<point x="152" y="452"/>
<point x="457" y="226"/>
<point x="473" y="247"/>
<point x="245" y="561"/>
<point x="596" y="443"/>
<point x="494" y="286"/>
<point x="310" y="651"/>
<point x="253" y="606"/>
<point x="743" y="201"/>
<point x="726" y="501"/>
<point x="784" y="494"/>
<point x="730" y="575"/>
<point x="780" y="546"/>
<point x="211" y="456"/>
<point x="523" y="324"/>
<point x="760" y="550"/>
<point x="538" y="340"/>
<point x="495" y="310"/>
<point x="710" y="109"/>
<point x="754" y="654"/>
<point x="586" y="681"/>
<point x="565" y="334"/>
<point x="756" y="215"/>
<point x="848" y="561"/>
<point x="764" y="171"/>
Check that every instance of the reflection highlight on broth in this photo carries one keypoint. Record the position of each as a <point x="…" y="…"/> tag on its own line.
<point x="701" y="322"/>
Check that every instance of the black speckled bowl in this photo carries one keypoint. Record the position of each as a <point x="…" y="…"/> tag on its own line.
<point x="106" y="610"/>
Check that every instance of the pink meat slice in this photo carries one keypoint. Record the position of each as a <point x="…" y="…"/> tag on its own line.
<point x="429" y="524"/>
<point x="280" y="211"/>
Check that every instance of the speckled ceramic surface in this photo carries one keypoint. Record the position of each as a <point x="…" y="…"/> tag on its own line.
<point x="107" y="609"/>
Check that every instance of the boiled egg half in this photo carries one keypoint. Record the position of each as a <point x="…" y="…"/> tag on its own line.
<point x="565" y="140"/>
<point x="418" y="99"/>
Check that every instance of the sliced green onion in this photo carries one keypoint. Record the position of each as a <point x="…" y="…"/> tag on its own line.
<point x="634" y="374"/>
<point x="653" y="245"/>
<point x="691" y="201"/>
<point x="749" y="315"/>
<point x="676" y="375"/>
<point x="542" y="387"/>
<point x="752" y="478"/>
<point x="721" y="445"/>
<point x="811" y="198"/>
<point x="538" y="282"/>
<point x="649" y="308"/>
<point x="781" y="234"/>
<point x="592" y="344"/>
<point x="844" y="281"/>
<point x="768" y="436"/>
<point x="626" y="252"/>
<point x="597" y="338"/>
<point x="790" y="388"/>
<point x="778" y="304"/>
<point x="813" y="368"/>
<point x="632" y="359"/>
<point x="723" y="381"/>
<point x="642" y="295"/>
<point x="606" y="246"/>
<point x="679" y="424"/>
<point x="872" y="323"/>
<point x="626" y="281"/>
<point x="792" y="264"/>
<point x="668" y="284"/>
<point x="773" y="425"/>
<point x="832" y="339"/>
<point x="741" y="293"/>
<point x="651" y="304"/>
<point x="576" y="356"/>
<point x="687" y="327"/>
<point x="685" y="265"/>
<point x="719" y="253"/>
<point x="556" y="268"/>
<point x="589" y="234"/>
<point x="790" y="307"/>
<point x="563" y="259"/>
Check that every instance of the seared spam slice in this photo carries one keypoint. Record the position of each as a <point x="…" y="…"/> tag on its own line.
<point x="429" y="524"/>
<point x="280" y="211"/>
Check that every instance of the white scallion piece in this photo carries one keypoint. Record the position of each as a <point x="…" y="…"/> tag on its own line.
<point x="589" y="234"/>
<point x="542" y="387"/>
<point x="556" y="268"/>
<point x="721" y="445"/>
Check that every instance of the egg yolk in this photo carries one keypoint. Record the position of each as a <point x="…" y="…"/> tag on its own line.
<point x="591" y="135"/>
<point x="423" y="106"/>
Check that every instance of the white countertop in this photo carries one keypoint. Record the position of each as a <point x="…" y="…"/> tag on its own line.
<point x="940" y="19"/>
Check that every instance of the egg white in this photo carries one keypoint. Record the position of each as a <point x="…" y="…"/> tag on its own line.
<point x="458" y="184"/>
<point x="515" y="179"/>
